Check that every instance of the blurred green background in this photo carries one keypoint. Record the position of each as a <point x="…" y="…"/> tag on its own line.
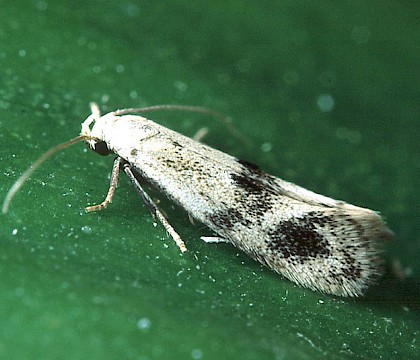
<point x="328" y="93"/>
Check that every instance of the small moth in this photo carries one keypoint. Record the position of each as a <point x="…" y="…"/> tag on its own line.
<point x="317" y="242"/>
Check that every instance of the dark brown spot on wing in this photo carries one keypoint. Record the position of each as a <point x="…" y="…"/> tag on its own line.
<point x="298" y="239"/>
<point x="228" y="218"/>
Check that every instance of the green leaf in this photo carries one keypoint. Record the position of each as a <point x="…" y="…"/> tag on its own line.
<point x="328" y="95"/>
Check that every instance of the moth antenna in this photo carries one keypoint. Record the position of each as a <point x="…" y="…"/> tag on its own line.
<point x="35" y="165"/>
<point x="226" y="120"/>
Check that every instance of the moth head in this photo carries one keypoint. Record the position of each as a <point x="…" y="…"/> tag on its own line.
<point x="92" y="132"/>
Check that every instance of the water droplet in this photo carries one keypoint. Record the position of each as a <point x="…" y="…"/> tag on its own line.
<point x="86" y="229"/>
<point x="197" y="354"/>
<point x="266" y="147"/>
<point x="181" y="86"/>
<point x="120" y="68"/>
<point x="325" y="102"/>
<point x="144" y="324"/>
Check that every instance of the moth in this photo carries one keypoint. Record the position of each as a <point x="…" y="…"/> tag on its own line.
<point x="315" y="241"/>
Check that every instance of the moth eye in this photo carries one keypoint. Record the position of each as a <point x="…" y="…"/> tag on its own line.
<point x="102" y="148"/>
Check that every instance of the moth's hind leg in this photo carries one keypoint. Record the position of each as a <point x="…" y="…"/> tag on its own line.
<point x="201" y="134"/>
<point x="156" y="213"/>
<point x="112" y="186"/>
<point x="214" y="239"/>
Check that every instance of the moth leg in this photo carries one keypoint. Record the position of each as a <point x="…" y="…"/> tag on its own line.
<point x="214" y="239"/>
<point x="191" y="219"/>
<point x="112" y="186"/>
<point x="201" y="134"/>
<point x="156" y="213"/>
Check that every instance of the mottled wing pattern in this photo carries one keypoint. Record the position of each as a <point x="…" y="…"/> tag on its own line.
<point x="313" y="240"/>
